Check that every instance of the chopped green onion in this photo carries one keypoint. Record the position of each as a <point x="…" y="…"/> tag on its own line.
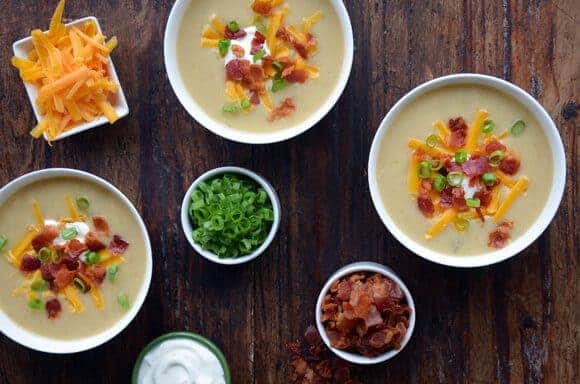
<point x="56" y="257"/>
<point x="123" y="301"/>
<point x="245" y="104"/>
<point x="278" y="65"/>
<point x="517" y="127"/>
<point x="455" y="178"/>
<point x="80" y="284"/>
<point x="233" y="26"/>
<point x="461" y="224"/>
<point x="439" y="183"/>
<point x="92" y="257"/>
<point x="112" y="272"/>
<point x="259" y="55"/>
<point x="45" y="254"/>
<point x="488" y="178"/>
<point x="278" y="84"/>
<point x="261" y="27"/>
<point x="461" y="156"/>
<point x="424" y="170"/>
<point x="496" y="157"/>
<point x="230" y="108"/>
<point x="432" y="141"/>
<point x="83" y="203"/>
<point x="224" y="46"/>
<point x="35" y="304"/>
<point x="69" y="233"/>
<point x="436" y="165"/>
<point x="472" y="203"/>
<point x="3" y="241"/>
<point x="488" y="126"/>
<point x="39" y="285"/>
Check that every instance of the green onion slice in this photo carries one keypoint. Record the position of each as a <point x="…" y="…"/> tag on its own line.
<point x="488" y="178"/>
<point x="56" y="257"/>
<point x="35" y="304"/>
<point x="224" y="46"/>
<point x="278" y="84"/>
<point x="496" y="157"/>
<point x="233" y="26"/>
<point x="245" y="104"/>
<point x="424" y="170"/>
<point x="517" y="127"/>
<point x="455" y="178"/>
<point x="3" y="241"/>
<point x="83" y="203"/>
<point x="123" y="301"/>
<point x="230" y="108"/>
<point x="69" y="233"/>
<point x="45" y="254"/>
<point x="432" y="141"/>
<point x="259" y="55"/>
<point x="92" y="257"/>
<point x="439" y="183"/>
<point x="488" y="126"/>
<point x="39" y="285"/>
<point x="461" y="156"/>
<point x="278" y="65"/>
<point x="473" y="203"/>
<point x="112" y="272"/>
<point x="80" y="284"/>
<point x="461" y="224"/>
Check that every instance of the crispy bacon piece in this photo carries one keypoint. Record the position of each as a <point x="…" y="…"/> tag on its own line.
<point x="254" y="78"/>
<point x="450" y="165"/>
<point x="63" y="277"/>
<point x="475" y="166"/>
<point x="500" y="236"/>
<point x="494" y="145"/>
<point x="234" y="35"/>
<point x="93" y="243"/>
<point x="238" y="51"/>
<point x="286" y="108"/>
<point x="484" y="196"/>
<point x="510" y="165"/>
<point x="255" y="98"/>
<point x="118" y="245"/>
<point x="301" y="47"/>
<point x="457" y="124"/>
<point x="458" y="133"/>
<point x="426" y="206"/>
<point x="236" y="69"/>
<point x="70" y="263"/>
<point x="48" y="271"/>
<point x="257" y="43"/>
<point x="297" y="76"/>
<point x="101" y="225"/>
<point x="45" y="237"/>
<point x="263" y="7"/>
<point x="53" y="308"/>
<point x="96" y="273"/>
<point x="29" y="263"/>
<point x="74" y="249"/>
<point x="453" y="197"/>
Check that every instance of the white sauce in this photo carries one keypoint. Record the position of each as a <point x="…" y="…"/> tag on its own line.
<point x="180" y="361"/>
<point x="81" y="228"/>
<point x="246" y="43"/>
<point x="469" y="191"/>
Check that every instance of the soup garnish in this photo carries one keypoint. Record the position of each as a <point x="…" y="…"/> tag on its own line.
<point x="69" y="68"/>
<point x="60" y="258"/>
<point x="471" y="179"/>
<point x="265" y="56"/>
<point x="231" y="215"/>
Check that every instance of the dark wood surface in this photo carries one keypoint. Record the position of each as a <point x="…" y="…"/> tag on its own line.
<point x="510" y="323"/>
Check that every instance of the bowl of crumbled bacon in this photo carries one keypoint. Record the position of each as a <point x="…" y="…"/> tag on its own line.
<point x="69" y="77"/>
<point x="365" y="314"/>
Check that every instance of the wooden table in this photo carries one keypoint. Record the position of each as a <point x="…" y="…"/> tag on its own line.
<point x="510" y="323"/>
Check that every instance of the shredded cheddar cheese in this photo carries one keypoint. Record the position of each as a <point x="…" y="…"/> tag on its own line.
<point x="475" y="130"/>
<point x="413" y="177"/>
<point x="446" y="218"/>
<point x="519" y="189"/>
<point x="76" y="305"/>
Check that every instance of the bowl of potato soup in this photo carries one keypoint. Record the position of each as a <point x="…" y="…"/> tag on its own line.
<point x="467" y="170"/>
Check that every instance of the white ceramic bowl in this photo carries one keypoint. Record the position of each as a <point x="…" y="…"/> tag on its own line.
<point x="197" y="112"/>
<point x="365" y="266"/>
<point x="550" y="208"/>
<point x="21" y="49"/>
<point x="45" y="344"/>
<point x="188" y="228"/>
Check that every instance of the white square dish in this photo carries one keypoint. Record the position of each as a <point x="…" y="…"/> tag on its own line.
<point x="21" y="49"/>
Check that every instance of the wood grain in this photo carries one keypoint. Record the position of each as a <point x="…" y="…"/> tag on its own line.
<point x="514" y="322"/>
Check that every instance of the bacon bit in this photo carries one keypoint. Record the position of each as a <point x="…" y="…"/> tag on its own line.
<point x="118" y="245"/>
<point x="500" y="236"/>
<point x="510" y="165"/>
<point x="493" y="146"/>
<point x="257" y="43"/>
<point x="375" y="304"/>
<point x="297" y="76"/>
<point x="74" y="249"/>
<point x="254" y="98"/>
<point x="93" y="242"/>
<point x="452" y="166"/>
<point x="286" y="108"/>
<point x="70" y="263"/>
<point x="475" y="167"/>
<point x="238" y="51"/>
<point x="458" y="134"/>
<point x="96" y="273"/>
<point x="45" y="237"/>
<point x="425" y="187"/>
<point x="101" y="225"/>
<point x="29" y="263"/>
<point x="53" y="308"/>
<point x="254" y="78"/>
<point x="287" y="70"/>
<point x="457" y="124"/>
<point x="236" y="69"/>
<point x="48" y="271"/>
<point x="484" y="195"/>
<point x="426" y="206"/>
<point x="263" y="7"/>
<point x="234" y="35"/>
<point x="453" y="197"/>
<point x="63" y="277"/>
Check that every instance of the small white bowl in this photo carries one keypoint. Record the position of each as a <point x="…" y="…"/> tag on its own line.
<point x="365" y="266"/>
<point x="197" y="112"/>
<point x="21" y="49"/>
<point x="550" y="208"/>
<point x="188" y="228"/>
<point x="45" y="344"/>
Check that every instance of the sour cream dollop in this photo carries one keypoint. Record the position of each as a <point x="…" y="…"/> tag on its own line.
<point x="246" y="43"/>
<point x="180" y="361"/>
<point x="81" y="228"/>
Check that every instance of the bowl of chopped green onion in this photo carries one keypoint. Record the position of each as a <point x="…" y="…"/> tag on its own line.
<point x="230" y="215"/>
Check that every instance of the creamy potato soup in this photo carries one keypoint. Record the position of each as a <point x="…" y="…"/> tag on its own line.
<point x="261" y="66"/>
<point x="464" y="169"/>
<point x="72" y="260"/>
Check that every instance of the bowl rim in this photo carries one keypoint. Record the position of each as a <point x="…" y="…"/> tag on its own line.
<point x="121" y="107"/>
<point x="187" y="227"/>
<point x="535" y="229"/>
<point x="223" y="130"/>
<point x="365" y="266"/>
<point x="40" y="343"/>
<point x="208" y="344"/>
